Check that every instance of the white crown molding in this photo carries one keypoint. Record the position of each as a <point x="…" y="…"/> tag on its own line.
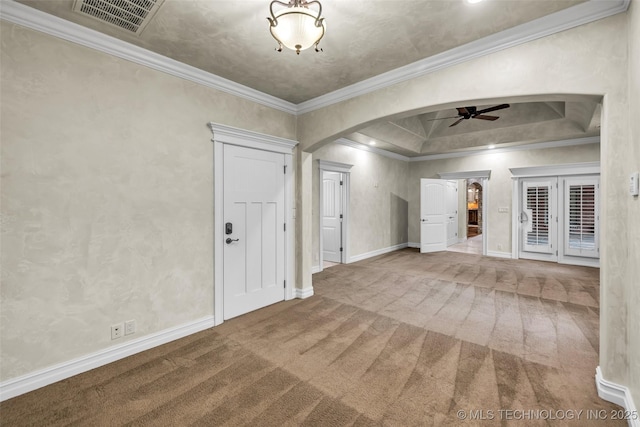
<point x="32" y="18"/>
<point x="580" y="14"/>
<point x="34" y="380"/>
<point x="587" y="168"/>
<point x="330" y="166"/>
<point x="385" y="153"/>
<point x="618" y="394"/>
<point x="469" y="153"/>
<point x="465" y="175"/>
<point x="236" y="136"/>
<point x="525" y="147"/>
<point x="575" y="16"/>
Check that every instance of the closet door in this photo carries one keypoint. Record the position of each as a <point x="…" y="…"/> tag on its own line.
<point x="581" y="219"/>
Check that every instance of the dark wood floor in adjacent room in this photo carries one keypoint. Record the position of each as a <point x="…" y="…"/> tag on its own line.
<point x="401" y="339"/>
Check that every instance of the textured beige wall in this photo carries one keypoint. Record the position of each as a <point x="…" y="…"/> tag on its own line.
<point x="378" y="215"/>
<point x="633" y="204"/>
<point x="498" y="233"/>
<point x="590" y="59"/>
<point x="107" y="197"/>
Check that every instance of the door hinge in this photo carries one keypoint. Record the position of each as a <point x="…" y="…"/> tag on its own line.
<point x="340" y="216"/>
<point x="340" y="249"/>
<point x="556" y="253"/>
<point x="285" y="226"/>
<point x="340" y="182"/>
<point x="285" y="169"/>
<point x="284" y="285"/>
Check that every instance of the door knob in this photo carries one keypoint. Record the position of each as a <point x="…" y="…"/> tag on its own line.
<point x="229" y="240"/>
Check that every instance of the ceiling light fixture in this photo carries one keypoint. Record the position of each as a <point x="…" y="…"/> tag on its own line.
<point x="473" y="1"/>
<point x="297" y="26"/>
<point x="372" y="143"/>
<point x="491" y="147"/>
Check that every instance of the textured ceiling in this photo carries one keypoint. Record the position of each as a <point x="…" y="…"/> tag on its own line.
<point x="364" y="38"/>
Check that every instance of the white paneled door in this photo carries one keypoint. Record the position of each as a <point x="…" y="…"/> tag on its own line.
<point x="433" y="227"/>
<point x="254" y="231"/>
<point x="332" y="216"/>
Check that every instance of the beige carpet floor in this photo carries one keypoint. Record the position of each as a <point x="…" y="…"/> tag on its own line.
<point x="402" y="339"/>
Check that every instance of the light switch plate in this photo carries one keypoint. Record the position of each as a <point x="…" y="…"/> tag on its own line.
<point x="634" y="186"/>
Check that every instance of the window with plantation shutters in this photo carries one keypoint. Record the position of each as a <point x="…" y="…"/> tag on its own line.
<point x="581" y="217"/>
<point x="538" y="204"/>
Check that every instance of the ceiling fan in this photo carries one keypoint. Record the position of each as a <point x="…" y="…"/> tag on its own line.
<point x="466" y="113"/>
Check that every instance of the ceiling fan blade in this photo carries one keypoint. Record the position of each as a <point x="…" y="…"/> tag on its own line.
<point x="456" y="122"/>
<point x="441" y="118"/>
<point x="497" y="107"/>
<point x="463" y="111"/>
<point x="484" y="117"/>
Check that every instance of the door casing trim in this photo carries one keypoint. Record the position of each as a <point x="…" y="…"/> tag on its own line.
<point x="223" y="134"/>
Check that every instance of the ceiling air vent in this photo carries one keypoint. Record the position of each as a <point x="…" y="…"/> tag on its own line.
<point x="131" y="15"/>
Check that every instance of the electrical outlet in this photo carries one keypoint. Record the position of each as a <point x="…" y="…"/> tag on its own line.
<point x="130" y="327"/>
<point x="116" y="331"/>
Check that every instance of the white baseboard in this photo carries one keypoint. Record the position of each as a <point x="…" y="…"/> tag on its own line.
<point x="315" y="269"/>
<point x="413" y="245"/>
<point x="377" y="252"/>
<point x="498" y="254"/>
<point x="618" y="394"/>
<point x="304" y="293"/>
<point x="40" y="378"/>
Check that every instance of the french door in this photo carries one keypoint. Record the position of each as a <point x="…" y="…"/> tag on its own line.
<point x="538" y="215"/>
<point x="559" y="219"/>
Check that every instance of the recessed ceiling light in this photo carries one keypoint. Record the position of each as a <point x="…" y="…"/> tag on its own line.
<point x="372" y="143"/>
<point x="491" y="147"/>
<point x="473" y="1"/>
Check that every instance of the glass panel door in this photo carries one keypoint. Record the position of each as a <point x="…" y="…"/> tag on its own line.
<point x="537" y="215"/>
<point x="581" y="217"/>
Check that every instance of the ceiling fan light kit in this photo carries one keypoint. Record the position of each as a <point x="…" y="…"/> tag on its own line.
<point x="297" y="26"/>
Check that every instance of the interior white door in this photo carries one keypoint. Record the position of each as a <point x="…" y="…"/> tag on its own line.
<point x="332" y="216"/>
<point x="433" y="229"/>
<point x="254" y="217"/>
<point x="538" y="222"/>
<point x="451" y="219"/>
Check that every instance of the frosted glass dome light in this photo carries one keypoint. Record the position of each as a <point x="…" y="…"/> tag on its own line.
<point x="297" y="27"/>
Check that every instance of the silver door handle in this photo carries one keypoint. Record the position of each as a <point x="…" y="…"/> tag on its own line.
<point x="523" y="217"/>
<point x="229" y="240"/>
